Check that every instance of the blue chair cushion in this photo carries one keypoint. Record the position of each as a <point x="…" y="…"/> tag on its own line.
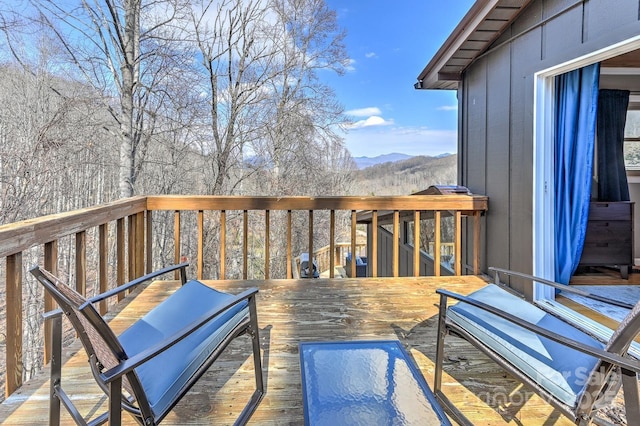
<point x="359" y="261"/>
<point x="561" y="371"/>
<point x="164" y="376"/>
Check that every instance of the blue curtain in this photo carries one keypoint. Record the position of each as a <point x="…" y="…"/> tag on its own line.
<point x="576" y="109"/>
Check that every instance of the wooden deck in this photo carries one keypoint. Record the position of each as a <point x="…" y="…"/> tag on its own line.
<point x="291" y="311"/>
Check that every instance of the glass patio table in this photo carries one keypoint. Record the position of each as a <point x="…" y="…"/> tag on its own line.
<point x="365" y="383"/>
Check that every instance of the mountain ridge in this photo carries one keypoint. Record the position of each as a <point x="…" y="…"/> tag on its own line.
<point x="364" y="161"/>
<point x="405" y="177"/>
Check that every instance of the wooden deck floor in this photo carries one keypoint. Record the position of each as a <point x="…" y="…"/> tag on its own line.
<point x="291" y="311"/>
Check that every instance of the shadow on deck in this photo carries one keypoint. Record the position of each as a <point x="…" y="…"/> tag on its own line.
<point x="292" y="311"/>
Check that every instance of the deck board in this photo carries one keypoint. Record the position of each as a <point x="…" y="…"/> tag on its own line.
<point x="291" y="311"/>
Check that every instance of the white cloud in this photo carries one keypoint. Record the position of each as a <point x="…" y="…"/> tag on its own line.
<point x="350" y="65"/>
<point x="372" y="121"/>
<point x="370" y="55"/>
<point x="364" y="112"/>
<point x="448" y="108"/>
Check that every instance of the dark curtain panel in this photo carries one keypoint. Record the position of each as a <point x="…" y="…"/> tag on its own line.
<point x="612" y="115"/>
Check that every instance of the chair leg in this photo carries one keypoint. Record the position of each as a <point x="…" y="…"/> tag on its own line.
<point x="257" y="364"/>
<point x="56" y="370"/>
<point x="115" y="402"/>
<point x="255" y="341"/>
<point x="437" y="378"/>
<point x="631" y="395"/>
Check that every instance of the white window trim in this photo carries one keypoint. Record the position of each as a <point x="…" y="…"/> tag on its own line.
<point x="543" y="164"/>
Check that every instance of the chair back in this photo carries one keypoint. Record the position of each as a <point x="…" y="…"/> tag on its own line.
<point x="101" y="344"/>
<point x="605" y="379"/>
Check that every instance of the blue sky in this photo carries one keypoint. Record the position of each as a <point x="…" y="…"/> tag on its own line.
<point x="389" y="43"/>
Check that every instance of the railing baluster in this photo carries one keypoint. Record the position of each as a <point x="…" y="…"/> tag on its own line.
<point x="289" y="236"/>
<point x="223" y="244"/>
<point x="310" y="261"/>
<point x="374" y="245"/>
<point x="14" y="323"/>
<point x="120" y="255"/>
<point x="267" y="236"/>
<point x="103" y="257"/>
<point x="332" y="242"/>
<point x="51" y="265"/>
<point x="149" y="242"/>
<point x="416" y="243"/>
<point x="396" y="243"/>
<point x="139" y="244"/>
<point x="177" y="255"/>
<point x="131" y="248"/>
<point x="476" y="243"/>
<point x="354" y="237"/>
<point x="200" y="220"/>
<point x="458" y="248"/>
<point x="245" y="244"/>
<point x="81" y="263"/>
<point x="437" y="217"/>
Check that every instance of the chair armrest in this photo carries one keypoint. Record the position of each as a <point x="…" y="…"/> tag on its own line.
<point x="559" y="286"/>
<point x="128" y="365"/>
<point x="626" y="363"/>
<point x="126" y="286"/>
<point x="55" y="313"/>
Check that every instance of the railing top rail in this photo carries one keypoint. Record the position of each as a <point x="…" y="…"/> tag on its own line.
<point x="404" y="202"/>
<point x="19" y="236"/>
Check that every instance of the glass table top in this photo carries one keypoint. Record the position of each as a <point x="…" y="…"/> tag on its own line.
<point x="365" y="383"/>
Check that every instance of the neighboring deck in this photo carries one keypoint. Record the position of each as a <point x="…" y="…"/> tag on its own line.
<point x="291" y="311"/>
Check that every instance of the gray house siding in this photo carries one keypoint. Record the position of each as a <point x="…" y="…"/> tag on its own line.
<point x="496" y="98"/>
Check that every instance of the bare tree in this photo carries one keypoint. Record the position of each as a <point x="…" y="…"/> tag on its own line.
<point x="303" y="113"/>
<point x="113" y="45"/>
<point x="234" y="68"/>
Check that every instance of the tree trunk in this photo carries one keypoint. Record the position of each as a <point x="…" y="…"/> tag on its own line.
<point x="129" y="71"/>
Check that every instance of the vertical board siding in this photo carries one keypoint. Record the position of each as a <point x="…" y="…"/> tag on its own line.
<point x="496" y="157"/>
<point x="567" y="26"/>
<point x="498" y="154"/>
<point x="521" y="177"/>
<point x="600" y="18"/>
<point x="475" y="157"/>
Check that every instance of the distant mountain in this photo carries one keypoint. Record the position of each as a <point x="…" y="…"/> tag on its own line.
<point x="364" y="162"/>
<point x="407" y="176"/>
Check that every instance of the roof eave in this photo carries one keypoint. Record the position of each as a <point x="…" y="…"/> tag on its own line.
<point x="434" y="75"/>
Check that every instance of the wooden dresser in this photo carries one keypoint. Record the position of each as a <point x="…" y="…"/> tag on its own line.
<point x="609" y="238"/>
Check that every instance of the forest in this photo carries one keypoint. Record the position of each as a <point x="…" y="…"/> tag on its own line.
<point x="106" y="99"/>
<point x="407" y="176"/>
<point x="113" y="98"/>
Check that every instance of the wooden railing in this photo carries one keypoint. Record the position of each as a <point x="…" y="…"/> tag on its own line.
<point x="122" y="235"/>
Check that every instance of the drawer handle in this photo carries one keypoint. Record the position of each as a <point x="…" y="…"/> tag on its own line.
<point x="601" y="224"/>
<point x="602" y="244"/>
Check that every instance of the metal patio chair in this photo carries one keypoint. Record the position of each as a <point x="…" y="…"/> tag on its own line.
<point x="569" y="367"/>
<point x="148" y="368"/>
